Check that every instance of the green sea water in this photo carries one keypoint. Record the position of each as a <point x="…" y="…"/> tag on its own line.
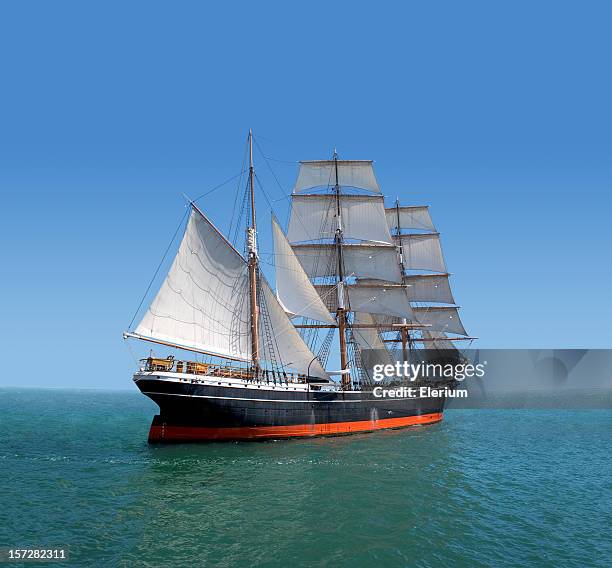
<point x="482" y="488"/>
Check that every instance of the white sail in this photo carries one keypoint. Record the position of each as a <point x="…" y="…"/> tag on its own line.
<point x="203" y="302"/>
<point x="372" y="349"/>
<point x="441" y="319"/>
<point x="360" y="261"/>
<point x="295" y="291"/>
<point x="438" y="340"/>
<point x="410" y="217"/>
<point x="313" y="217"/>
<point x="289" y="348"/>
<point x="422" y="252"/>
<point x="436" y="318"/>
<point x="373" y="298"/>
<point x="429" y="288"/>
<point x="421" y="287"/>
<point x="322" y="173"/>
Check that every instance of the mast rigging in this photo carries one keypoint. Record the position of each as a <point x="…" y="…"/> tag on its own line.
<point x="405" y="336"/>
<point x="202" y="305"/>
<point x="253" y="265"/>
<point x="341" y="312"/>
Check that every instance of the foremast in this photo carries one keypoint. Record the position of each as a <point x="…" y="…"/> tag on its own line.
<point x="253" y="265"/>
<point x="202" y="305"/>
<point x="341" y="311"/>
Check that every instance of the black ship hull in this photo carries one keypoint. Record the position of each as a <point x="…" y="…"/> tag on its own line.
<point x="192" y="411"/>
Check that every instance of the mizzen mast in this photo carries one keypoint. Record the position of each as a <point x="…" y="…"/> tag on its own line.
<point x="404" y="330"/>
<point x="253" y="264"/>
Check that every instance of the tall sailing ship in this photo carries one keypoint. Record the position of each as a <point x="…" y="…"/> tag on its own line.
<point x="349" y="272"/>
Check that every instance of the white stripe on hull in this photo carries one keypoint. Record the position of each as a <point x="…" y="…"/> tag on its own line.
<point x="272" y="399"/>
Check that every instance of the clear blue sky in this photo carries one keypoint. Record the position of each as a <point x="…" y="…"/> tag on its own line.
<point x="497" y="114"/>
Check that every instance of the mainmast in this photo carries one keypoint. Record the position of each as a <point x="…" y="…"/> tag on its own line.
<point x="253" y="265"/>
<point x="404" y="330"/>
<point x="341" y="313"/>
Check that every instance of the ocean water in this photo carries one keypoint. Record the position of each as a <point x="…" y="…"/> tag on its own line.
<point x="482" y="488"/>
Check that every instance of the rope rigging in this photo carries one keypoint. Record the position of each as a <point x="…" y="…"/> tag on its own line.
<point x="163" y="258"/>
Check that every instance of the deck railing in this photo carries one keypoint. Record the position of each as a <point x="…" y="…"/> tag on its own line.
<point x="151" y="364"/>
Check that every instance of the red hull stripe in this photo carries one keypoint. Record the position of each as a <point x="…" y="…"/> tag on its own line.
<point x="168" y="433"/>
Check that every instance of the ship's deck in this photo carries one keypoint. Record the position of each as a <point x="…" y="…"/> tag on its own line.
<point x="237" y="382"/>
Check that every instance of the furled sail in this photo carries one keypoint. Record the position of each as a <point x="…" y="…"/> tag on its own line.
<point x="313" y="217"/>
<point x="322" y="173"/>
<point x="287" y="343"/>
<point x="294" y="290"/>
<point x="373" y="298"/>
<point x="410" y="217"/>
<point x="422" y="252"/>
<point x="203" y="302"/>
<point x="441" y="319"/>
<point x="360" y="260"/>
